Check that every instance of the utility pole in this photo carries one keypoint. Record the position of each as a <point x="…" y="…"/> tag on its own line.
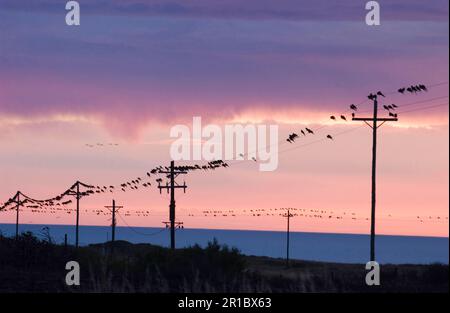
<point x="172" y="174"/>
<point x="78" y="214"/>
<point x="113" y="209"/>
<point x="374" y="119"/>
<point x="288" y="215"/>
<point x="16" y="200"/>
<point x="17" y="213"/>
<point x="77" y="195"/>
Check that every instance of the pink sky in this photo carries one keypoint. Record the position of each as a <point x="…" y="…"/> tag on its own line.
<point x="334" y="176"/>
<point x="128" y="78"/>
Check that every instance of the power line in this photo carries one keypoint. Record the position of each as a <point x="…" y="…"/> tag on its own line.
<point x="321" y="139"/>
<point x="425" y="108"/>
<point x="138" y="232"/>
<point x="414" y="103"/>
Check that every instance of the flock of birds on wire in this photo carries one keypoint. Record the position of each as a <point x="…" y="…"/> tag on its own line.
<point x="390" y="108"/>
<point x="56" y="204"/>
<point x="134" y="184"/>
<point x="99" y="144"/>
<point x="321" y="214"/>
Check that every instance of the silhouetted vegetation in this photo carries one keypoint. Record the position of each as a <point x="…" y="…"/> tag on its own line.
<point x="30" y="264"/>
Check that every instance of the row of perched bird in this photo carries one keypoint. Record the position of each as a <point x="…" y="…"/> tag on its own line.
<point x="291" y="138"/>
<point x="332" y="117"/>
<point x="59" y="210"/>
<point x="391" y="109"/>
<point x="306" y="213"/>
<point x="413" y="89"/>
<point x="372" y="96"/>
<point x="268" y="214"/>
<point x="272" y="212"/>
<point x="305" y="131"/>
<point x="90" y="189"/>
<point x="90" y="145"/>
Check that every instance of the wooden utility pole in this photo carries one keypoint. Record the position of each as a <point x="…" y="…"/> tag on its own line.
<point x="77" y="195"/>
<point x="78" y="214"/>
<point x="374" y="119"/>
<point x="288" y="215"/>
<point x="17" y="201"/>
<point x="172" y="174"/>
<point x="113" y="209"/>
<point x="17" y="214"/>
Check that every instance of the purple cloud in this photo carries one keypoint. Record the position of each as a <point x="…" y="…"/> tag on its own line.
<point x="127" y="70"/>
<point x="323" y="10"/>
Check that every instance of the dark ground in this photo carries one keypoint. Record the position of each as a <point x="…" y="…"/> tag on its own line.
<point x="33" y="265"/>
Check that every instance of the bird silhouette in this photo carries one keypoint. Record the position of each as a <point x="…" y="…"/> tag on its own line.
<point x="372" y="96"/>
<point x="303" y="132"/>
<point x="309" y="130"/>
<point x="333" y="117"/>
<point x="353" y="107"/>
<point x="381" y="94"/>
<point x="292" y="137"/>
<point x="343" y="118"/>
<point x="402" y="90"/>
<point x="423" y="87"/>
<point x="329" y="137"/>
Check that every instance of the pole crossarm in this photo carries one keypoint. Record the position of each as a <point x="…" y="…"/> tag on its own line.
<point x="380" y="119"/>
<point x="177" y="224"/>
<point x="16" y="199"/>
<point x="110" y="207"/>
<point x="168" y="187"/>
<point x="175" y="172"/>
